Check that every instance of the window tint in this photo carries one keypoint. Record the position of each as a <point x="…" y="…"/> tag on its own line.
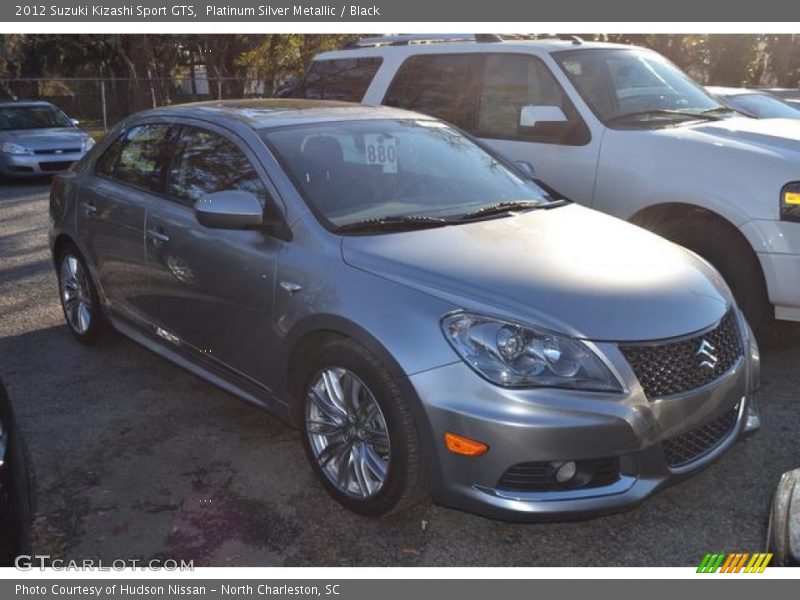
<point x="344" y="79"/>
<point x="106" y="163"/>
<point x="441" y="85"/>
<point x="514" y="81"/>
<point x="208" y="163"/>
<point x="142" y="155"/>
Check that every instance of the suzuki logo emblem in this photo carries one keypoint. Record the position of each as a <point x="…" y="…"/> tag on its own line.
<point x="705" y="352"/>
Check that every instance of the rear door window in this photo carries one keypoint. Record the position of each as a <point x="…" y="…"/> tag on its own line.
<point x="346" y="80"/>
<point x="440" y="85"/>
<point x="142" y="156"/>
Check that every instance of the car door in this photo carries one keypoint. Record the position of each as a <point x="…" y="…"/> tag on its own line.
<point x="210" y="291"/>
<point x="111" y="215"/>
<point x="485" y="93"/>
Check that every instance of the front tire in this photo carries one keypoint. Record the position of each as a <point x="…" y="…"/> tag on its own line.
<point x="79" y="299"/>
<point x="359" y="433"/>
<point x="730" y="255"/>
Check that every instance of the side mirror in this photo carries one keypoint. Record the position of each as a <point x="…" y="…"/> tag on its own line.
<point x="783" y="532"/>
<point x="230" y="209"/>
<point x="75" y="122"/>
<point x="525" y="168"/>
<point x="530" y="116"/>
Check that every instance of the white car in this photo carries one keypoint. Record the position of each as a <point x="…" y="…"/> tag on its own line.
<point x="754" y="103"/>
<point x="614" y="127"/>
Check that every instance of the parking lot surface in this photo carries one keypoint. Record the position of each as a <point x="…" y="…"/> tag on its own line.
<point x="136" y="458"/>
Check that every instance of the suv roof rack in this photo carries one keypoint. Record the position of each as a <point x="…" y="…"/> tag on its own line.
<point x="406" y="39"/>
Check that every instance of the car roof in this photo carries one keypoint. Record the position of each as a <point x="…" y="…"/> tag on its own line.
<point x="268" y="113"/>
<point x="5" y="103"/>
<point x="733" y="91"/>
<point x="538" y="46"/>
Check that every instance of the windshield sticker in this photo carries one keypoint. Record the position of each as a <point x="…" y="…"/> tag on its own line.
<point x="381" y="150"/>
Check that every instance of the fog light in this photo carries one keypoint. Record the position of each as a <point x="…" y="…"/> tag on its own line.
<point x="566" y="471"/>
<point x="459" y="444"/>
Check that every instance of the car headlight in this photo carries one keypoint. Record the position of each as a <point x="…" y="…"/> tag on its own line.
<point x="87" y="143"/>
<point x="790" y="202"/>
<point x="513" y="355"/>
<point x="11" y="148"/>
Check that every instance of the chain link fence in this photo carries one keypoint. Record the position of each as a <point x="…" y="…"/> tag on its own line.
<point x="100" y="103"/>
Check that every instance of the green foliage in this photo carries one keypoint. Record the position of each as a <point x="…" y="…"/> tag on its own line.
<point x="276" y="60"/>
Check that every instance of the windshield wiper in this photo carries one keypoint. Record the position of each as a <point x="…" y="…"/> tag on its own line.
<point x="720" y="109"/>
<point x="395" y="223"/>
<point x="501" y="208"/>
<point x="702" y="116"/>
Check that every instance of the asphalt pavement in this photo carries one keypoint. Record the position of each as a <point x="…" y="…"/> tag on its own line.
<point x="136" y="458"/>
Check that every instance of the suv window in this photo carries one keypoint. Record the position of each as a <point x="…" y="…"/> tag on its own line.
<point x="206" y="163"/>
<point x="513" y="81"/>
<point x="340" y="79"/>
<point x="139" y="158"/>
<point x="440" y="85"/>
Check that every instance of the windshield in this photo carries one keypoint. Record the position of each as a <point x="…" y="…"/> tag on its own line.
<point x="634" y="87"/>
<point x="763" y="106"/>
<point x="32" y="117"/>
<point x="354" y="171"/>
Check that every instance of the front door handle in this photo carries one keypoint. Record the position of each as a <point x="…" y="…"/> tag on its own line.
<point x="157" y="237"/>
<point x="89" y="209"/>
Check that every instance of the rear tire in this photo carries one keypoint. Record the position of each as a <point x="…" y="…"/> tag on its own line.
<point x="357" y="420"/>
<point x="730" y="255"/>
<point x="79" y="299"/>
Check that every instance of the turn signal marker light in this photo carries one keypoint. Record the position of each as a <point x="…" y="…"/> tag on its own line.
<point x="458" y="444"/>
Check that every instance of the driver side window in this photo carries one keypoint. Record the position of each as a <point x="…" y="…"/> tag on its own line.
<point x="206" y="163"/>
<point x="513" y="81"/>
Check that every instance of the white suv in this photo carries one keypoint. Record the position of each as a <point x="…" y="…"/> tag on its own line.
<point x="614" y="127"/>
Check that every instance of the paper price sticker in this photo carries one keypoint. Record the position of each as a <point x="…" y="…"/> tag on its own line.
<point x="381" y="150"/>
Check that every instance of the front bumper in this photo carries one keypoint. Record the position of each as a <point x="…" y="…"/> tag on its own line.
<point x="36" y="165"/>
<point x="540" y="425"/>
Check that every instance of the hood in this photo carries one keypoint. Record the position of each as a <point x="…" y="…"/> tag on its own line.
<point x="57" y="138"/>
<point x="767" y="134"/>
<point x="568" y="269"/>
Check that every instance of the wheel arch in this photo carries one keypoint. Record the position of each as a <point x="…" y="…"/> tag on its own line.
<point x="320" y="329"/>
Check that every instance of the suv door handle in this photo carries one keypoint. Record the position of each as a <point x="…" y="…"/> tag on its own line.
<point x="89" y="209"/>
<point x="157" y="237"/>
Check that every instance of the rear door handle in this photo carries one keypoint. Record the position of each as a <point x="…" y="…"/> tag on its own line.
<point x="89" y="209"/>
<point x="157" y="237"/>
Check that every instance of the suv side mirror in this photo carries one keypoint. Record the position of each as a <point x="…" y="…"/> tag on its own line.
<point x="530" y="116"/>
<point x="229" y="209"/>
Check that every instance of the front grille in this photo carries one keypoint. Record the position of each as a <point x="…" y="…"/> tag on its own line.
<point x="541" y="476"/>
<point x="57" y="151"/>
<point x="670" y="368"/>
<point x="692" y="445"/>
<point x="59" y="165"/>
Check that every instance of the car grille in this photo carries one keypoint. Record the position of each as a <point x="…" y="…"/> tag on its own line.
<point x="57" y="151"/>
<point x="541" y="476"/>
<point x="670" y="368"/>
<point x="693" y="445"/>
<point x="57" y="165"/>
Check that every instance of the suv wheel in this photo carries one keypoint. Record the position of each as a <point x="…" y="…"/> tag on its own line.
<point x="731" y="256"/>
<point x="79" y="298"/>
<point x="359" y="436"/>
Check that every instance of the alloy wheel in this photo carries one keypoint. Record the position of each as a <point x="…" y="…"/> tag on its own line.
<point x="76" y="294"/>
<point x="348" y="433"/>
